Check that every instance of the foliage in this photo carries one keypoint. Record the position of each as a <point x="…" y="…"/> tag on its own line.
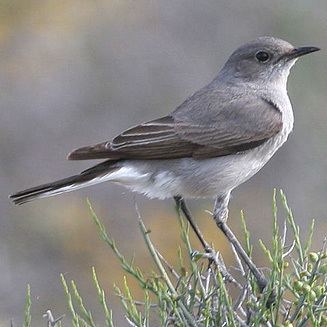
<point x="201" y="291"/>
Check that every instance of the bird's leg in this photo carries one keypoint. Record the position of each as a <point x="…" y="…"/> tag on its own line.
<point x="220" y="215"/>
<point x="213" y="256"/>
<point x="182" y="206"/>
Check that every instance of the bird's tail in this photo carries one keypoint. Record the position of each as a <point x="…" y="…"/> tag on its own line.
<point x="94" y="175"/>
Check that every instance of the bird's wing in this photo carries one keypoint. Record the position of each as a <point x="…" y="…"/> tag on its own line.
<point x="198" y="129"/>
<point x="155" y="139"/>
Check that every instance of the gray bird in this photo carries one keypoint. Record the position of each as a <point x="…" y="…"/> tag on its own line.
<point x="214" y="141"/>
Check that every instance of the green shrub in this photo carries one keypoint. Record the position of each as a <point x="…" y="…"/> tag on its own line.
<point x="202" y="291"/>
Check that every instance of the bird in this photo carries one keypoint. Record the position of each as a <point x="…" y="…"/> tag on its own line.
<point x="217" y="139"/>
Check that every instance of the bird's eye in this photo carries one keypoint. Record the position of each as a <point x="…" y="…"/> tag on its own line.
<point x="262" y="56"/>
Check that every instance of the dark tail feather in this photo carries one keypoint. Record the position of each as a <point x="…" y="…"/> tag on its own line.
<point x="88" y="177"/>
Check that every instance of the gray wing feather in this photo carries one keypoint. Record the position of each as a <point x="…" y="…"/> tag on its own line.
<point x="204" y="126"/>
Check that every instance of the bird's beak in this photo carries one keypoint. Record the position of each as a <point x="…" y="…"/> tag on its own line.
<point x="298" y="52"/>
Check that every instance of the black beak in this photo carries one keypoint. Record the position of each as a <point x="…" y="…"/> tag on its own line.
<point x="298" y="52"/>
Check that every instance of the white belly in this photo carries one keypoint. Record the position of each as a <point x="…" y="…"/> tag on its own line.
<point x="192" y="178"/>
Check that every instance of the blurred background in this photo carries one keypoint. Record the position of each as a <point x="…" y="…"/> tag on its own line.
<point x="74" y="73"/>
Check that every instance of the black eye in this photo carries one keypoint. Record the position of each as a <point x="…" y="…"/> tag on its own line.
<point x="262" y="56"/>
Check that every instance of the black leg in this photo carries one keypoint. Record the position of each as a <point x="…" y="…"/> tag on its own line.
<point x="212" y="255"/>
<point x="220" y="216"/>
<point x="182" y="206"/>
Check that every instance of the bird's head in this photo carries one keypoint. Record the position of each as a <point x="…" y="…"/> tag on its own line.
<point x="264" y="60"/>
